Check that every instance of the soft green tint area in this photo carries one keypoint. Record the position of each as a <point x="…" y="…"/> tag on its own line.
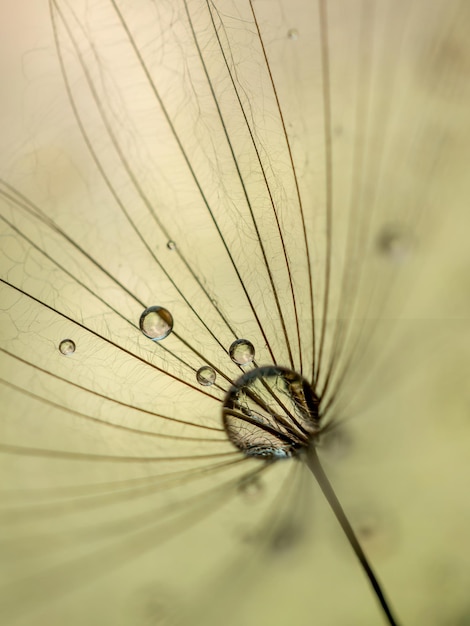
<point x="122" y="501"/>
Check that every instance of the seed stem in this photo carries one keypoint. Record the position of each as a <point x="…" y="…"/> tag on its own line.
<point x="313" y="463"/>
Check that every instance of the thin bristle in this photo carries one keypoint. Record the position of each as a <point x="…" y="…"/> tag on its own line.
<point x="234" y="254"/>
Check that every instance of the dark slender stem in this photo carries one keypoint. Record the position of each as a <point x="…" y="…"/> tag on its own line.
<point x="313" y="463"/>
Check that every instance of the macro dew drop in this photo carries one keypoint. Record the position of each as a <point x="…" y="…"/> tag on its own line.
<point x="206" y="376"/>
<point x="156" y="323"/>
<point x="394" y="243"/>
<point x="242" y="352"/>
<point x="67" y="346"/>
<point x="271" y="412"/>
<point x="224" y="126"/>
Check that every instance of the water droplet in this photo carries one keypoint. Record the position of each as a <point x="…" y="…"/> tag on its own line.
<point x="251" y="489"/>
<point x="156" y="323"/>
<point x="368" y="529"/>
<point x="67" y="346"/>
<point x="242" y="352"/>
<point x="293" y="34"/>
<point x="206" y="376"/>
<point x="171" y="245"/>
<point x="378" y="532"/>
<point x="153" y="605"/>
<point x="285" y="539"/>
<point x="395" y="243"/>
<point x="271" y="412"/>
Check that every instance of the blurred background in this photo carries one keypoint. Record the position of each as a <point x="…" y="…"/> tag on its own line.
<point x="252" y="168"/>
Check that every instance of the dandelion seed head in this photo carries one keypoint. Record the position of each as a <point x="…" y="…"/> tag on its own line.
<point x="259" y="184"/>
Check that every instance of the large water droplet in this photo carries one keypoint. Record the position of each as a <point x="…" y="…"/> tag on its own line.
<point x="206" y="376"/>
<point x="156" y="323"/>
<point x="171" y="245"/>
<point x="242" y="352"/>
<point x="271" y="412"/>
<point x="67" y="346"/>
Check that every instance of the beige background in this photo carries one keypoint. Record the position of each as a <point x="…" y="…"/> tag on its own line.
<point x="110" y="542"/>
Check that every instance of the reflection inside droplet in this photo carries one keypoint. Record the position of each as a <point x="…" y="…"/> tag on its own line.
<point x="171" y="245"/>
<point x="242" y="352"/>
<point x="67" y="346"/>
<point x="206" y="376"/>
<point x="271" y="412"/>
<point x="156" y="323"/>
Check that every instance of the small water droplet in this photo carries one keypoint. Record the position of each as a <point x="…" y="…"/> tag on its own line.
<point x="293" y="34"/>
<point x="242" y="352"/>
<point x="395" y="243"/>
<point x="377" y="531"/>
<point x="171" y="245"/>
<point x="206" y="376"/>
<point x="67" y="346"/>
<point x="156" y="323"/>
<point x="285" y="539"/>
<point x="251" y="489"/>
<point x="271" y="412"/>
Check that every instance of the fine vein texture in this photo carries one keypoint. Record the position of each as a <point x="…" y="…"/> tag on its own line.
<point x="284" y="185"/>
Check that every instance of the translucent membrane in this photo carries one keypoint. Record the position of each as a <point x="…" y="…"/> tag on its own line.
<point x="239" y="165"/>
